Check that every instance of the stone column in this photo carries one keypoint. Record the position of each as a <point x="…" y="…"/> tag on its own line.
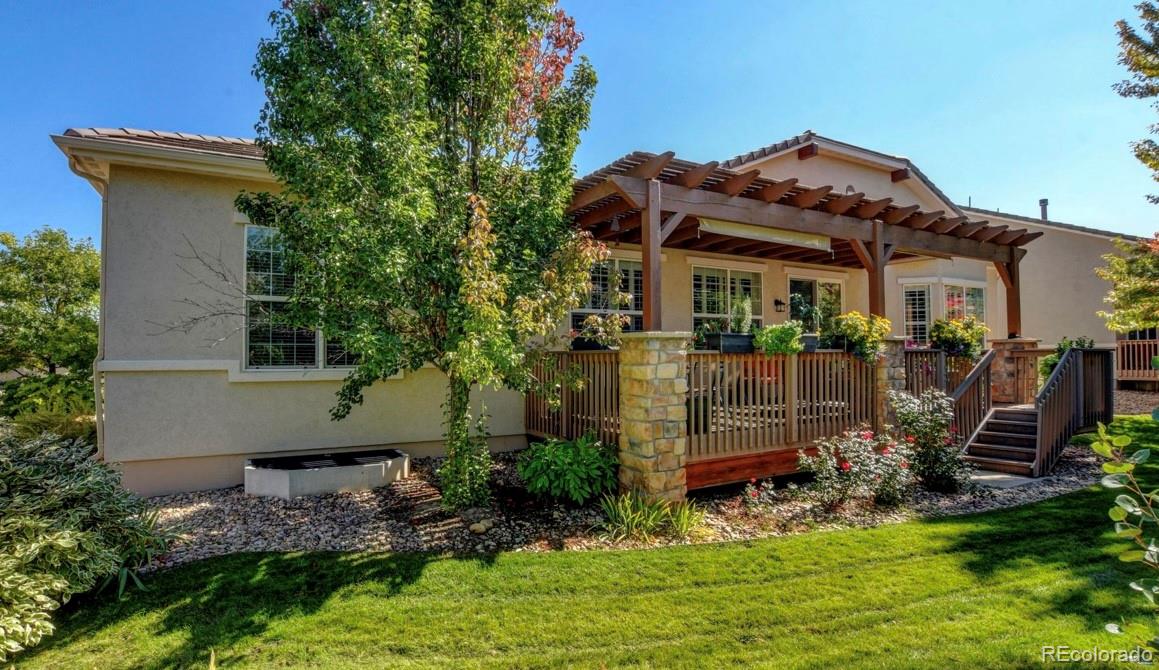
<point x="1002" y="370"/>
<point x="654" y="414"/>
<point x="890" y="377"/>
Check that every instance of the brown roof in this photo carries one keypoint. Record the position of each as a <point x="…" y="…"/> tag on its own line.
<point x="209" y="144"/>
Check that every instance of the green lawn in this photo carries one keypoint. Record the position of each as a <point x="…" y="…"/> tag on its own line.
<point x="978" y="591"/>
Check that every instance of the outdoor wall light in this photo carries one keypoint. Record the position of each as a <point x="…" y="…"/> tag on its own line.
<point x="779" y="305"/>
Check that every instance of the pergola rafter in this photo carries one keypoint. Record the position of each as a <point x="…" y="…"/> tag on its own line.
<point x="658" y="200"/>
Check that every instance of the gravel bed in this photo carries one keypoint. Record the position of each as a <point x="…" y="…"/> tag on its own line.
<point x="407" y="516"/>
<point x="1136" y="402"/>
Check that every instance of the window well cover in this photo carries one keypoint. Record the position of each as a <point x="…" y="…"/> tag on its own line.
<point x="776" y="235"/>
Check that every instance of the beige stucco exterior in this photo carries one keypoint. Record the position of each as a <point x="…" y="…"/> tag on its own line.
<point x="180" y="411"/>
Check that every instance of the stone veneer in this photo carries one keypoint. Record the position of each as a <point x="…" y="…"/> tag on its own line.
<point x="890" y="376"/>
<point x="654" y="414"/>
<point x="1002" y="370"/>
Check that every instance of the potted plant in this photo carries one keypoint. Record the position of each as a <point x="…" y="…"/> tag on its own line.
<point x="810" y="317"/>
<point x="958" y="337"/>
<point x="739" y="339"/>
<point x="782" y="339"/>
<point x="861" y="335"/>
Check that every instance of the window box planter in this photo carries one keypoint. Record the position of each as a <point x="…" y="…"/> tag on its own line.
<point x="730" y="343"/>
<point x="587" y="344"/>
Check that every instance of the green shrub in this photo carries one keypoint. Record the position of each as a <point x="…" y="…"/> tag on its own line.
<point x="576" y="470"/>
<point x="782" y="339"/>
<point x="26" y="395"/>
<point x="958" y="337"/>
<point x="70" y="419"/>
<point x="67" y="525"/>
<point x="741" y="317"/>
<point x="859" y="465"/>
<point x="631" y="516"/>
<point x="926" y="425"/>
<point x="1049" y="362"/>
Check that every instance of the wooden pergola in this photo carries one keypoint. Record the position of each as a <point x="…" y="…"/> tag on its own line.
<point x="657" y="200"/>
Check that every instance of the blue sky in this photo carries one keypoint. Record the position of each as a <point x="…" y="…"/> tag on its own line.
<point x="998" y="102"/>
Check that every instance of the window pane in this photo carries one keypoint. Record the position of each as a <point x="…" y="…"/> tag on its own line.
<point x="272" y="343"/>
<point x="829" y="298"/>
<point x="917" y="313"/>
<point x="802" y="295"/>
<point x="955" y="303"/>
<point x="265" y="263"/>
<point x="632" y="282"/>
<point x="746" y="283"/>
<point x="709" y="292"/>
<point x="628" y="278"/>
<point x="976" y="303"/>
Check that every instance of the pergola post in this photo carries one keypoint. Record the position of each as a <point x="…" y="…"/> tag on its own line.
<point x="1010" y="275"/>
<point x="650" y="238"/>
<point x="874" y="256"/>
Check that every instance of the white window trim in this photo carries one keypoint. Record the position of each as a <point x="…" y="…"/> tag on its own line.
<point x="732" y="265"/>
<point x="973" y="283"/>
<point x="319" y="338"/>
<point x="905" y="322"/>
<point x="801" y="272"/>
<point x="727" y="264"/>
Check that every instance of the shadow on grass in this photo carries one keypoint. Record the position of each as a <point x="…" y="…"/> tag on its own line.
<point x="219" y="601"/>
<point x="1070" y="534"/>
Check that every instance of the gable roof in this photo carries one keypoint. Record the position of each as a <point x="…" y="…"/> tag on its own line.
<point x="837" y="146"/>
<point x="1051" y="224"/>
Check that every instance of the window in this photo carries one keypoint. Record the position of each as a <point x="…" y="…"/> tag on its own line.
<point x="916" y="312"/>
<point x="269" y="343"/>
<point x="804" y="294"/>
<point x="963" y="301"/>
<point x="603" y="300"/>
<point x="714" y="290"/>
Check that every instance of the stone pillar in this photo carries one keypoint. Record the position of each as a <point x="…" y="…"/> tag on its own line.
<point x="1003" y="385"/>
<point x="654" y="414"/>
<point x="890" y="371"/>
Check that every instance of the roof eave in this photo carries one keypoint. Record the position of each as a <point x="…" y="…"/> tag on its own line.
<point x="88" y="153"/>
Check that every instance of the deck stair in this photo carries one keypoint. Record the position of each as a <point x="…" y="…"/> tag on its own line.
<point x="1006" y="441"/>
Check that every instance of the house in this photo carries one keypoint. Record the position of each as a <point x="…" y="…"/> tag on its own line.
<point x="807" y="221"/>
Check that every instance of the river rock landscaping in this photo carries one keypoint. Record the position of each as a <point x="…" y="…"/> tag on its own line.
<point x="407" y="516"/>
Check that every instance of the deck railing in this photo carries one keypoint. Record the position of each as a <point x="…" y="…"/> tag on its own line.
<point x="593" y="407"/>
<point x="972" y="398"/>
<point x="1078" y="394"/>
<point x="1133" y="360"/>
<point x="933" y="368"/>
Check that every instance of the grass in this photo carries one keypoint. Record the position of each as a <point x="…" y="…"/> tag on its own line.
<point x="978" y="591"/>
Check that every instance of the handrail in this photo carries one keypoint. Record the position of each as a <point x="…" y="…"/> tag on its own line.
<point x="979" y="367"/>
<point x="1079" y="391"/>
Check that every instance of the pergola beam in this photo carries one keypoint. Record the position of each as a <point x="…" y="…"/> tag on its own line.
<point x="806" y="199"/>
<point x="651" y="168"/>
<point x="922" y="220"/>
<point x="898" y="215"/>
<point x="774" y="192"/>
<point x="871" y="209"/>
<point x="844" y="203"/>
<point x="736" y="183"/>
<point x="696" y="176"/>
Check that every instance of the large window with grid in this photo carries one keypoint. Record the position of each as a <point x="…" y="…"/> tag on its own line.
<point x="716" y="290"/>
<point x="270" y="342"/>
<point x="916" y="313"/>
<point x="610" y="277"/>
<point x="963" y="301"/>
<point x="805" y="294"/>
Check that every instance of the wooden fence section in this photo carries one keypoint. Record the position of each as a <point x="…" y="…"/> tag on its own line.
<point x="932" y="368"/>
<point x="1026" y="379"/>
<point x="1078" y="394"/>
<point x="593" y="407"/>
<point x="747" y="403"/>
<point x="973" y="399"/>
<point x="1133" y="360"/>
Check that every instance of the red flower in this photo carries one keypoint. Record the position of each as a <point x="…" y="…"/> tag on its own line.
<point x="911" y="439"/>
<point x="845" y="466"/>
<point x="886" y="452"/>
<point x="949" y="440"/>
<point x="867" y="435"/>
<point x="753" y="493"/>
<point x="905" y="465"/>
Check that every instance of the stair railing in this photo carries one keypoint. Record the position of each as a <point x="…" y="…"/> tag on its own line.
<point x="1076" y="395"/>
<point x="973" y="400"/>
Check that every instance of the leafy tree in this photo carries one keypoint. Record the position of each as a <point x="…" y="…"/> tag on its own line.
<point x="1139" y="53"/>
<point x="1134" y="292"/>
<point x="49" y="299"/>
<point x="425" y="151"/>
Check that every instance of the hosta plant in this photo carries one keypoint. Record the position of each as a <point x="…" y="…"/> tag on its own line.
<point x="859" y="464"/>
<point x="572" y="470"/>
<point x="67" y="527"/>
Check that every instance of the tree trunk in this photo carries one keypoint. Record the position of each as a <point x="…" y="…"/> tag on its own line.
<point x="465" y="475"/>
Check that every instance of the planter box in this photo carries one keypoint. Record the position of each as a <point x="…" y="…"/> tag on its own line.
<point x="730" y="343"/>
<point x="315" y="474"/>
<point x="810" y="342"/>
<point x="587" y="344"/>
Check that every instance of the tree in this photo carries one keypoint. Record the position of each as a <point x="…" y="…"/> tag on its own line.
<point x="49" y="300"/>
<point x="1134" y="292"/>
<point x="425" y="152"/>
<point x="1139" y="53"/>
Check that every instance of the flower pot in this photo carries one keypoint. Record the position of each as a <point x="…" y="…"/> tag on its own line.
<point x="810" y="342"/>
<point x="730" y="343"/>
<point x="587" y="344"/>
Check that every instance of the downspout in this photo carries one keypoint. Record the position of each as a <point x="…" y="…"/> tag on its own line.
<point x="101" y="184"/>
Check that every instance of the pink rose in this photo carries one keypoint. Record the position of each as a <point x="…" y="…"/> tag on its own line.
<point x="845" y="466"/>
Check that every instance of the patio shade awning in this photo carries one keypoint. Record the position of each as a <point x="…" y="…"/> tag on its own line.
<point x="775" y="235"/>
